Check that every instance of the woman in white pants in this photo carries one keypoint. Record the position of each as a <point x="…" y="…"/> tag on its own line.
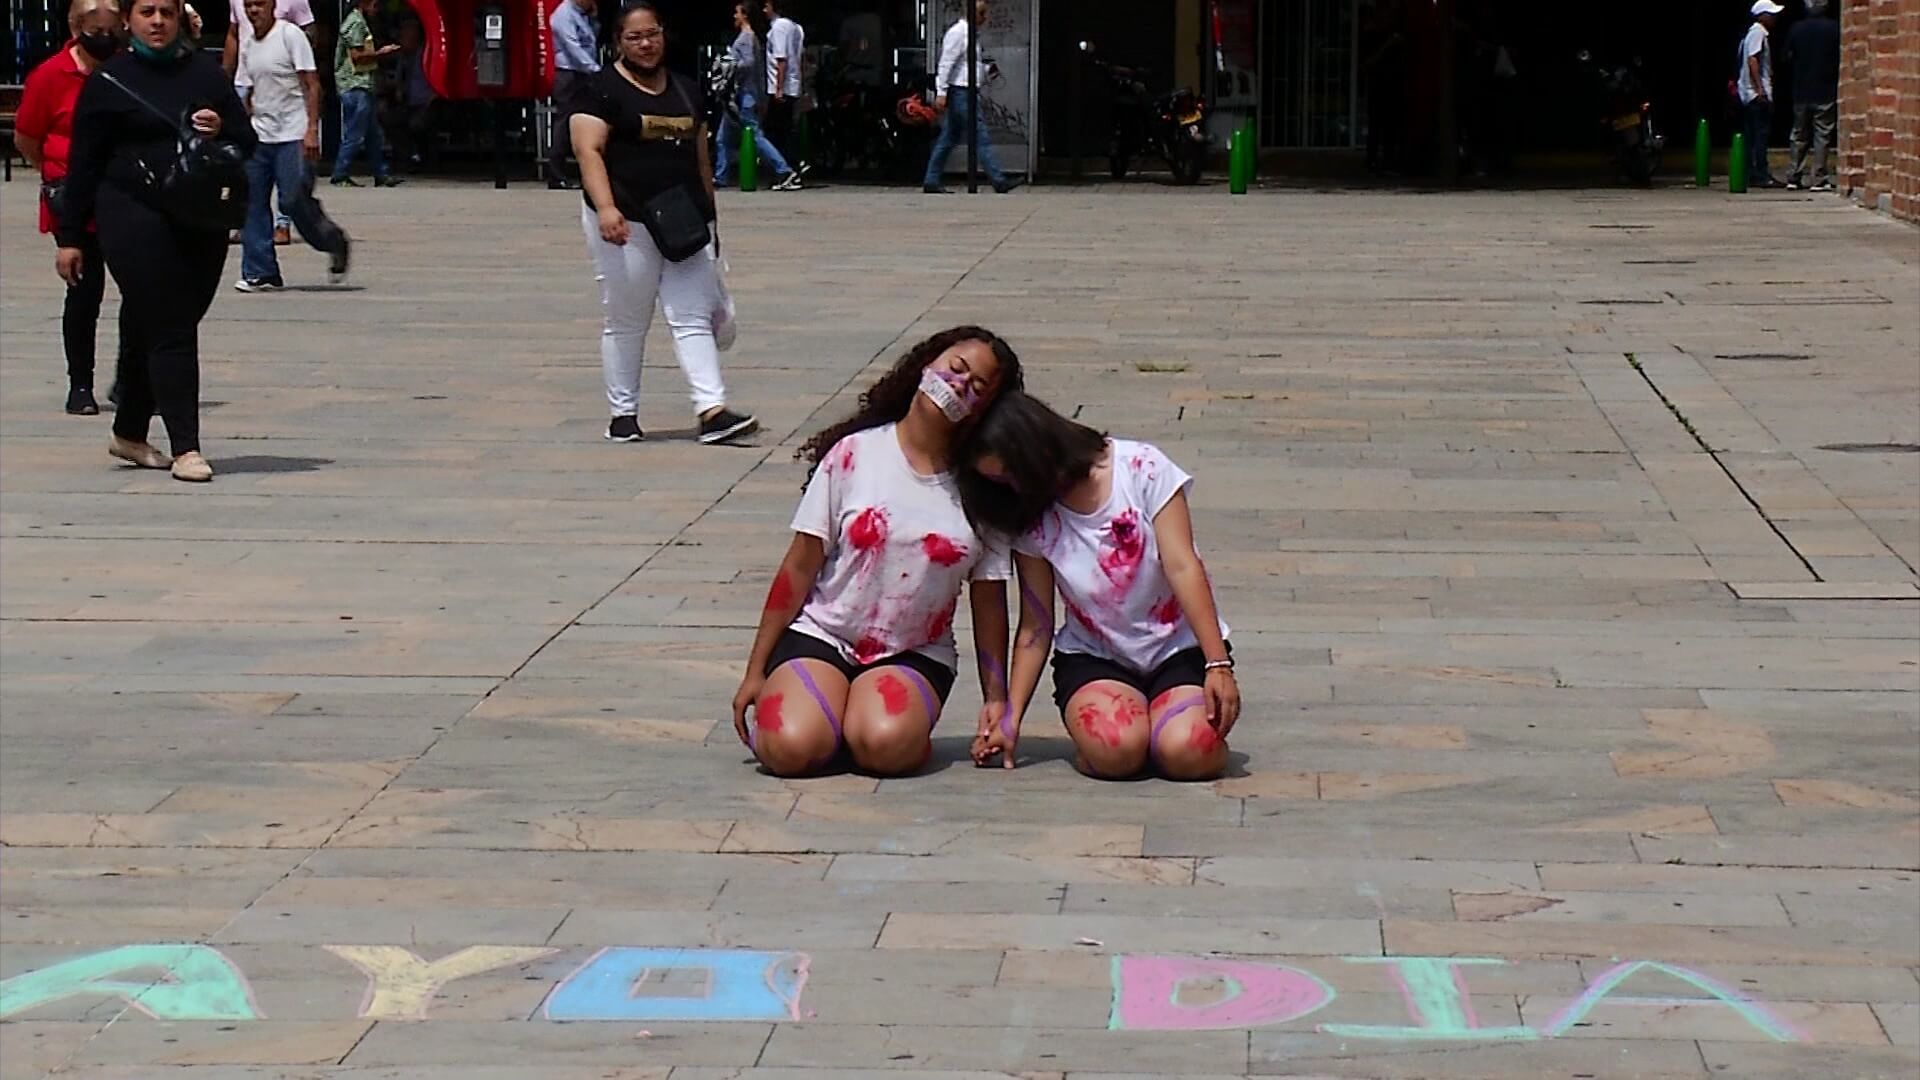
<point x="639" y="133"/>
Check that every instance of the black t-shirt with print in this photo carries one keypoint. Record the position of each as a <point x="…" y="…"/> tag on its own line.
<point x="653" y="144"/>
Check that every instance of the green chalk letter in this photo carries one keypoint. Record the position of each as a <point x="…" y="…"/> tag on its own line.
<point x="1436" y="998"/>
<point x="186" y="982"/>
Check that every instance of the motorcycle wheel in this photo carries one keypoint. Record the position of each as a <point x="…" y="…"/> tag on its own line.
<point x="1117" y="159"/>
<point x="1188" y="164"/>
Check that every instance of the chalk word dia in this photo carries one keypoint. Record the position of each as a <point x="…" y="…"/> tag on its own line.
<point x="1150" y="993"/>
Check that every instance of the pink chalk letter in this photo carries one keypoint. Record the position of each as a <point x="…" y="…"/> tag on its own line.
<point x="1185" y="993"/>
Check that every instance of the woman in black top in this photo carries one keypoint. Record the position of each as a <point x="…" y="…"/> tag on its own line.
<point x="639" y="132"/>
<point x="167" y="272"/>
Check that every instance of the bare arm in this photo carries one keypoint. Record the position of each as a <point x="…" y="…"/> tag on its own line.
<point x="310" y="92"/>
<point x="589" y="134"/>
<point x="1000" y="732"/>
<point x="706" y="169"/>
<point x="230" y="52"/>
<point x="1173" y="530"/>
<point x="779" y="78"/>
<point x="791" y="583"/>
<point x="1753" y="73"/>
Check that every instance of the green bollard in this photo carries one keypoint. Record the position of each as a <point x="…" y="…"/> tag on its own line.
<point x="803" y="134"/>
<point x="1702" y="155"/>
<point x="1737" y="165"/>
<point x="749" y="159"/>
<point x="1236" y="164"/>
<point x="1249" y="152"/>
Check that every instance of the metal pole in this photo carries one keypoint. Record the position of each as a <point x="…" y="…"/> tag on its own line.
<point x="1073" y="121"/>
<point x="973" y="96"/>
<point x="499" y="145"/>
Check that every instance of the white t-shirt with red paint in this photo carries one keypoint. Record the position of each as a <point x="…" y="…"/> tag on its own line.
<point x="899" y="549"/>
<point x="1106" y="564"/>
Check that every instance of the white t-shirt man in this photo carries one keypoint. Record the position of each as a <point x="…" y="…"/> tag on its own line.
<point x="270" y="70"/>
<point x="1106" y="564"/>
<point x="785" y="41"/>
<point x="297" y="12"/>
<point x="1757" y="43"/>
<point x="899" y="550"/>
<point x="953" y="60"/>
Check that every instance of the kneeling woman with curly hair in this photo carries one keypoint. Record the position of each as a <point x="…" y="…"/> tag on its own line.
<point x="855" y="647"/>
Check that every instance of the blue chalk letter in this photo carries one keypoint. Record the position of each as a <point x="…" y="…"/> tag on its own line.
<point x="682" y="984"/>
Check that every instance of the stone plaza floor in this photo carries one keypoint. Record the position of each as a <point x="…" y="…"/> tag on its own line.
<point x="1568" y="539"/>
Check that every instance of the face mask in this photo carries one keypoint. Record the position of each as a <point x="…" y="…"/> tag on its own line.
<point x="173" y="51"/>
<point x="99" y="46"/>
<point x="955" y="402"/>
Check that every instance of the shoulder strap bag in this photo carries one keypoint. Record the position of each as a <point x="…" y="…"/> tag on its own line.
<point x="205" y="185"/>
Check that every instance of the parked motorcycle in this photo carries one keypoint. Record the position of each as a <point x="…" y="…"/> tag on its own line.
<point x="1627" y="113"/>
<point x="1171" y="126"/>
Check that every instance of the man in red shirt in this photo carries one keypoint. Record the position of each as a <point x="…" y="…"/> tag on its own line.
<point x="43" y="133"/>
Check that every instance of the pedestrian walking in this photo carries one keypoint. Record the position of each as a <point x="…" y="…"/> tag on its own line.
<point x="855" y="648"/>
<point x="641" y="136"/>
<point x="743" y="112"/>
<point x="786" y="50"/>
<point x="1142" y="673"/>
<point x="43" y="133"/>
<point x="355" y="60"/>
<point x="281" y="84"/>
<point x="167" y="263"/>
<point x="1755" y="90"/>
<point x="297" y="12"/>
<point x="576" y="56"/>
<point x="954" y="100"/>
<point x="1813" y="50"/>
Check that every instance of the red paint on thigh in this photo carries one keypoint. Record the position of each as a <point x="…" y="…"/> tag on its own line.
<point x="780" y="595"/>
<point x="893" y="694"/>
<point x="767" y="716"/>
<point x="1096" y="725"/>
<point x="1202" y="738"/>
<point x="943" y="551"/>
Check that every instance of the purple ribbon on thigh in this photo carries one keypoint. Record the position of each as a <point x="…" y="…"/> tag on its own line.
<point x="1191" y="703"/>
<point x="927" y="696"/>
<point x="813" y="688"/>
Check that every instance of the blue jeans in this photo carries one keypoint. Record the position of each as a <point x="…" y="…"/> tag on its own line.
<point x="729" y="140"/>
<point x="282" y="166"/>
<point x="953" y="132"/>
<point x="359" y="125"/>
<point x="1759" y="118"/>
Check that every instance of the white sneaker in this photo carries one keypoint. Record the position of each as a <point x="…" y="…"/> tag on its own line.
<point x="791" y="183"/>
<point x="272" y="284"/>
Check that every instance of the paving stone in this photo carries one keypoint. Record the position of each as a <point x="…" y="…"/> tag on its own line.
<point x="431" y="665"/>
<point x="1296" y="1054"/>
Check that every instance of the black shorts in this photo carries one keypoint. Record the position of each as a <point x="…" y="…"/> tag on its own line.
<point x="794" y="645"/>
<point x="1073" y="671"/>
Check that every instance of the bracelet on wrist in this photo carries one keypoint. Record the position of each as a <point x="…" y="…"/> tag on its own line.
<point x="1220" y="665"/>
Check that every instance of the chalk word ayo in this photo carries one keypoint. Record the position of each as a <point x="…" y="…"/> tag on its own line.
<point x="1150" y="993"/>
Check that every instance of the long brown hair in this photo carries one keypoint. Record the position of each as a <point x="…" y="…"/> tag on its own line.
<point x="887" y="401"/>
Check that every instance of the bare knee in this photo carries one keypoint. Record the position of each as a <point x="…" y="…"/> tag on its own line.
<point x="889" y="745"/>
<point x="1118" y="761"/>
<point x="1190" y="749"/>
<point x="795" y="753"/>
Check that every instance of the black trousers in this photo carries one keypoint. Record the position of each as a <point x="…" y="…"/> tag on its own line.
<point x="779" y="127"/>
<point x="566" y="85"/>
<point x="167" y="277"/>
<point x="80" y="317"/>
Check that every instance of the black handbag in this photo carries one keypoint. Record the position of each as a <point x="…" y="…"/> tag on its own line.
<point x="676" y="223"/>
<point x="674" y="218"/>
<point x="53" y="193"/>
<point x="205" y="185"/>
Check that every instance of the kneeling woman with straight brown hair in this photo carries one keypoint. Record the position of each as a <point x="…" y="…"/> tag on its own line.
<point x="1144" y="675"/>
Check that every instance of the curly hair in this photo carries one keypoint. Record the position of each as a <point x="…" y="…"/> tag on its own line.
<point x="887" y="401"/>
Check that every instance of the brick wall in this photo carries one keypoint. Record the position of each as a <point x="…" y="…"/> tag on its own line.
<point x="1880" y="105"/>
